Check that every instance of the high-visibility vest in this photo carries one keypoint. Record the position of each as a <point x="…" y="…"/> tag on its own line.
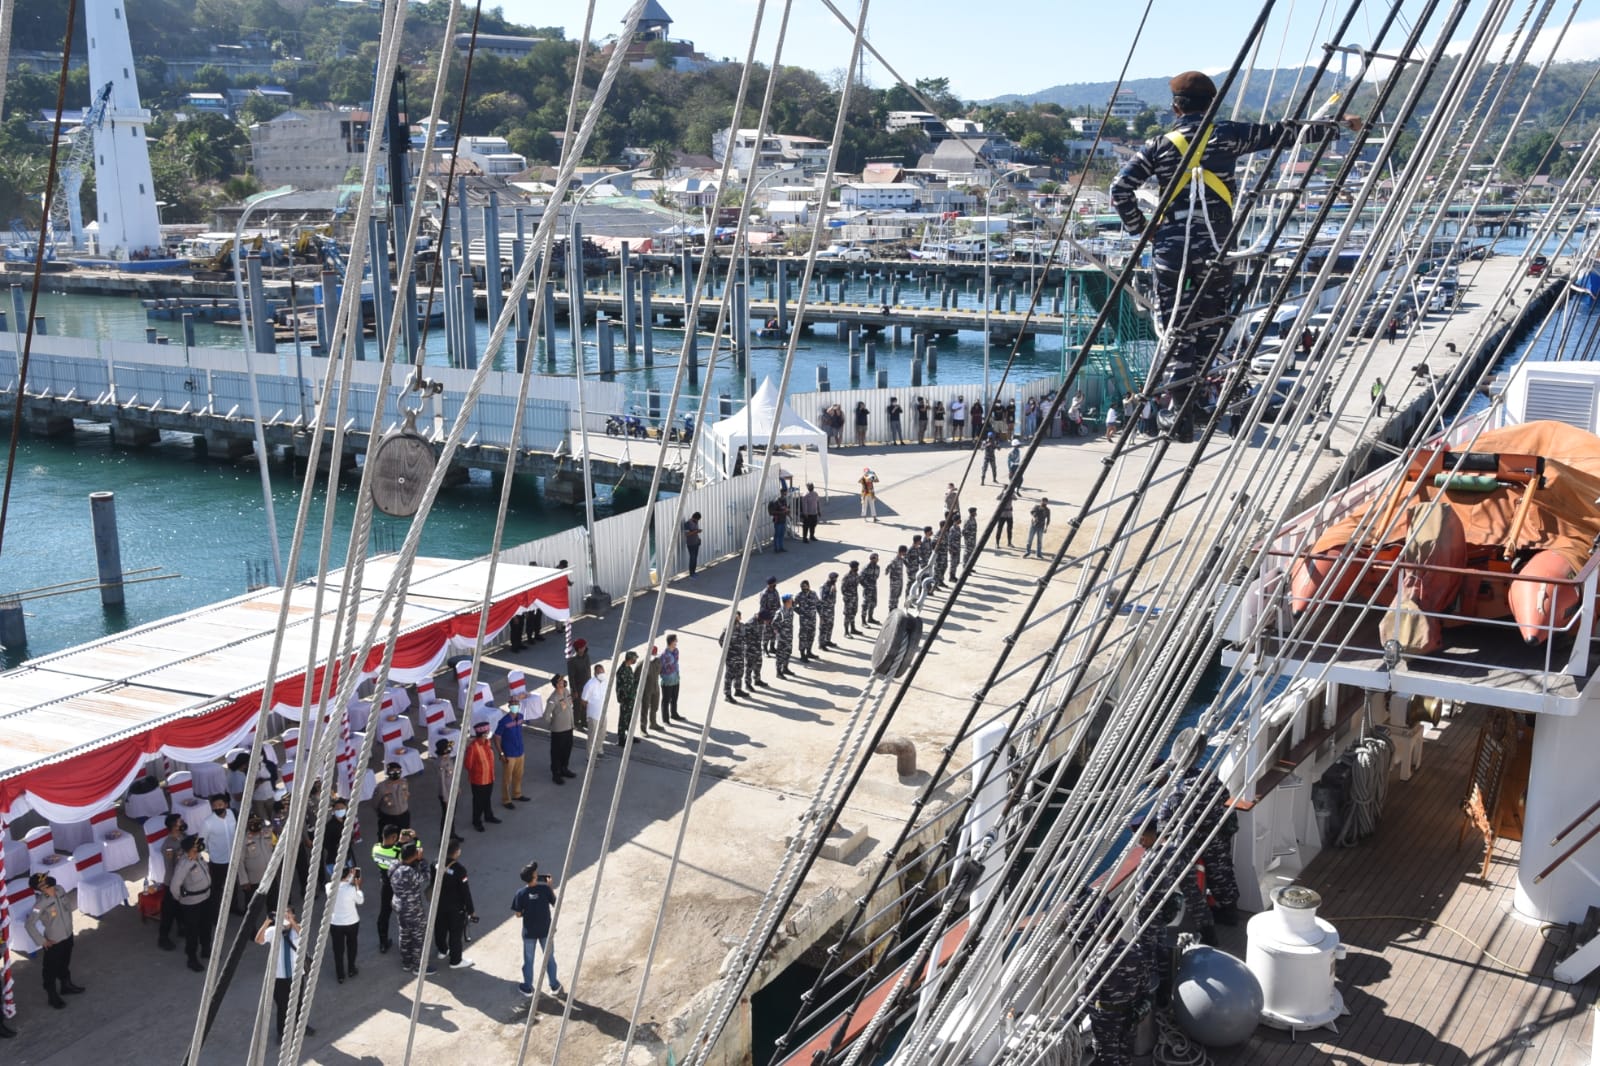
<point x="1210" y="179"/>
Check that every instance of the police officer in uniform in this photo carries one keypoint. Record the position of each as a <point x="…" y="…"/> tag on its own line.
<point x="806" y="606"/>
<point x="385" y="853"/>
<point x="869" y="590"/>
<point x="50" y="925"/>
<point x="826" y="599"/>
<point x="756" y="632"/>
<point x="733" y="659"/>
<point x="783" y="634"/>
<point x="1193" y="225"/>
<point x="850" y="592"/>
<point x="897" y="576"/>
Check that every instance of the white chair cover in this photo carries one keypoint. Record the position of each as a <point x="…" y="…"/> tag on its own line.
<point x="41" y="843"/>
<point x="121" y="850"/>
<point x="69" y="835"/>
<point x="516" y="685"/>
<point x="483" y="708"/>
<point x="360" y="713"/>
<point x="400" y="697"/>
<point x="99" y="892"/>
<point x="17" y="856"/>
<point x="369" y="785"/>
<point x="61" y="868"/>
<point x="399" y="725"/>
<point x="180" y="787"/>
<point x="410" y="762"/>
<point x="103" y="823"/>
<point x="155" y="831"/>
<point x="142" y="805"/>
<point x="438" y="724"/>
<point x="209" y="778"/>
<point x="20" y="898"/>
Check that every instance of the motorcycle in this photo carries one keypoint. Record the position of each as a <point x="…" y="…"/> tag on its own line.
<point x="625" y="426"/>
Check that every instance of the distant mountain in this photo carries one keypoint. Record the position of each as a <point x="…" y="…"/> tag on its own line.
<point x="1153" y="91"/>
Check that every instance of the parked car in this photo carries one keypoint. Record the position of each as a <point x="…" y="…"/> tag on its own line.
<point x="848" y="253"/>
<point x="1285" y="394"/>
<point x="1537" y="266"/>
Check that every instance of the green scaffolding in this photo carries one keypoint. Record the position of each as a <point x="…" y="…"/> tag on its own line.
<point x="1119" y="359"/>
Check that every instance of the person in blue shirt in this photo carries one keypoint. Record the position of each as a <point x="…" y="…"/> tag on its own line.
<point x="509" y="747"/>
<point x="533" y="903"/>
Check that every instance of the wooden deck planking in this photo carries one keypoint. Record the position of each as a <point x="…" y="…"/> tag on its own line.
<point x="1417" y="993"/>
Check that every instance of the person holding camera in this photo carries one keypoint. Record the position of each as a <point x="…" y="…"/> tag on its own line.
<point x="455" y="908"/>
<point x="283" y="940"/>
<point x="533" y="903"/>
<point x="409" y="879"/>
<point x="192" y="883"/>
<point x="345" y="922"/>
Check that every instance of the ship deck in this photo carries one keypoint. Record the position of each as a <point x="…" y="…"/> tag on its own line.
<point x="1439" y="970"/>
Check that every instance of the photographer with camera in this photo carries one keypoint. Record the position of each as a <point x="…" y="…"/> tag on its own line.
<point x="455" y="908"/>
<point x="283" y="940"/>
<point x="345" y="921"/>
<point x="533" y="903"/>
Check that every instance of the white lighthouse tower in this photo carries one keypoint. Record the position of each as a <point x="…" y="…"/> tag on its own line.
<point x="126" y="194"/>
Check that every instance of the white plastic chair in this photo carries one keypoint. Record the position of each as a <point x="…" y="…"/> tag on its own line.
<point x="69" y="835"/>
<point x="463" y="673"/>
<point x="155" y="831"/>
<point x="516" y="685"/>
<point x="483" y="708"/>
<point x="20" y="898"/>
<point x="99" y="891"/>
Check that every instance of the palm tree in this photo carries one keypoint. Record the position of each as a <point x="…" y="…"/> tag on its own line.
<point x="663" y="157"/>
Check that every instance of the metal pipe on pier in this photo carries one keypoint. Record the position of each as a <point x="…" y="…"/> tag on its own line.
<point x="549" y="324"/>
<point x="469" y="317"/>
<point x="931" y="355"/>
<point x="871" y="349"/>
<point x="647" y="316"/>
<point x="692" y="347"/>
<point x="491" y="257"/>
<point x="606" y="344"/>
<point x="519" y="251"/>
<point x="382" y="295"/>
<point x="883" y="379"/>
<point x="783" y="299"/>
<point x="575" y="290"/>
<point x="741" y="330"/>
<point x="13" y="625"/>
<point x="107" y="549"/>
<point x="630" y="321"/>
<point x="260" y="319"/>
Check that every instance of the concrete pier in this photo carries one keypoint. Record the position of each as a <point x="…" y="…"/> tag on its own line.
<point x="107" y="547"/>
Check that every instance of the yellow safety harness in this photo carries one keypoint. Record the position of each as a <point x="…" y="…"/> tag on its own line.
<point x="1210" y="179"/>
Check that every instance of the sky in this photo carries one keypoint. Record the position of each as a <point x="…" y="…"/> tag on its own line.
<point x="1018" y="46"/>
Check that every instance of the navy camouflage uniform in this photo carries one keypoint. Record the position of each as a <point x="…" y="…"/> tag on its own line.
<point x="1120" y="1001"/>
<point x="770" y="604"/>
<point x="969" y="534"/>
<point x="783" y="636"/>
<point x="897" y="578"/>
<point x="953" y="542"/>
<point x="826" y="600"/>
<point x="733" y="660"/>
<point x="1188" y="245"/>
<point x="916" y="557"/>
<point x="410" y="883"/>
<point x="806" y="606"/>
<point x="755" y="635"/>
<point x="1221" y="883"/>
<point x="869" y="591"/>
<point x="850" y="592"/>
<point x="941" y="556"/>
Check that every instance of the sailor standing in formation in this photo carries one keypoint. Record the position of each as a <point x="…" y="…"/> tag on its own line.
<point x="969" y="534"/>
<point x="827" y="598"/>
<point x="850" y="592"/>
<point x="756" y="632"/>
<point x="916" y="557"/>
<point x="869" y="590"/>
<point x="783" y="635"/>
<point x="769" y="605"/>
<point x="806" y="606"/>
<point x="897" y="577"/>
<point x="941" y="552"/>
<point x="952" y="539"/>
<point x="733" y="659"/>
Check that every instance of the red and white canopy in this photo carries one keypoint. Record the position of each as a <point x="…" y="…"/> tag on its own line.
<point x="77" y="726"/>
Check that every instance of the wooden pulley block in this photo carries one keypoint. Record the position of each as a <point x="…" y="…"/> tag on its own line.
<point x="402" y="465"/>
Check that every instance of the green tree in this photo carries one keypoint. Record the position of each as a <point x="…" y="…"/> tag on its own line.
<point x="662" y="160"/>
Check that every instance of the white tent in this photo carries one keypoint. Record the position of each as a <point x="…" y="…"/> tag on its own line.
<point x="753" y="426"/>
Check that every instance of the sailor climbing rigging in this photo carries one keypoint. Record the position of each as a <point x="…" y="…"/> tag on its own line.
<point x="1193" y="278"/>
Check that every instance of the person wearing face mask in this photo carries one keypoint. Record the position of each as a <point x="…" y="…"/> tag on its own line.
<point x="479" y="761"/>
<point x="385" y="854"/>
<point x="218" y="831"/>
<point x="345" y="922"/>
<point x="50" y="925"/>
<point x="282" y="939"/>
<point x="253" y="860"/>
<point x="392" y="798"/>
<point x="171" y="852"/>
<point x="338" y="813"/>
<point x="192" y="883"/>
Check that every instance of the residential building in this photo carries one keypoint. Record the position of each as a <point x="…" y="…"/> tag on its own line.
<point x="1084" y="125"/>
<point x="309" y="149"/>
<point x="769" y="155"/>
<point x="870" y="196"/>
<point x="1125" y="105"/>
<point x="807" y="152"/>
<point x="653" y="45"/>
<point x="493" y="155"/>
<point x="926" y="121"/>
<point x="207" y="104"/>
<point x="498" y="44"/>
